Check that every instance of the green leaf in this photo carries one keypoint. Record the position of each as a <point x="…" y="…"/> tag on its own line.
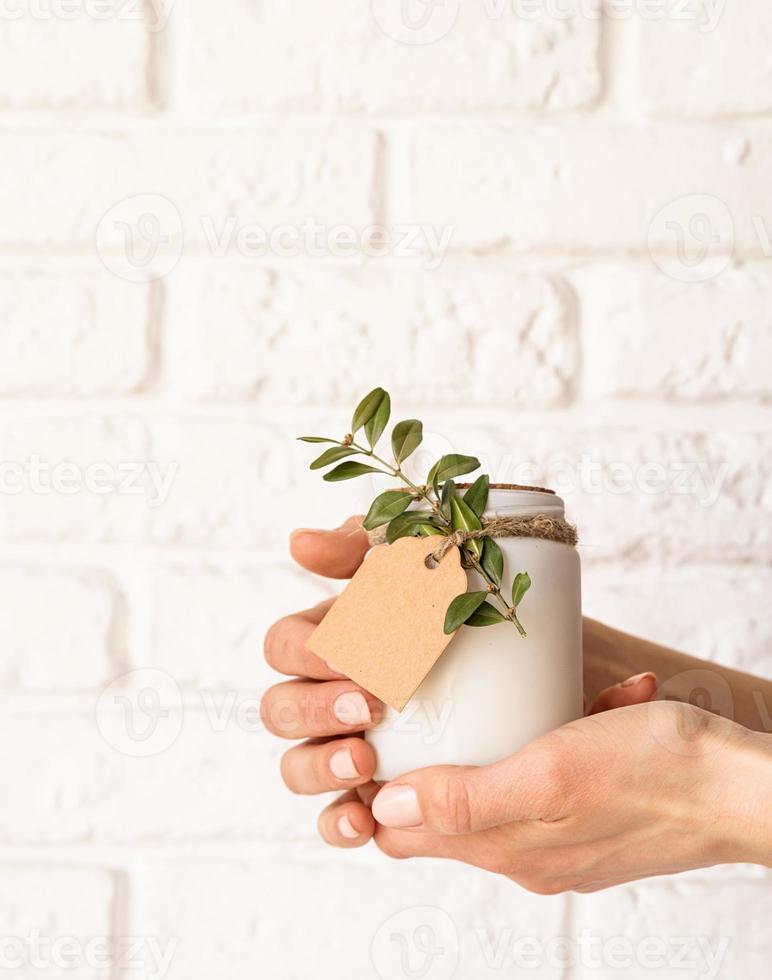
<point x="463" y="518"/>
<point x="461" y="609"/>
<point x="377" y="422"/>
<point x="432" y="479"/>
<point x="347" y="471"/>
<point x="408" y="525"/>
<point x="493" y="560"/>
<point x="453" y="465"/>
<point x="520" y="586"/>
<point x="386" y="507"/>
<point x="428" y="531"/>
<point x="448" y="493"/>
<point x="366" y="409"/>
<point x="406" y="438"/>
<point x="316" y="439"/>
<point x="332" y="456"/>
<point x="477" y="495"/>
<point x="486" y="615"/>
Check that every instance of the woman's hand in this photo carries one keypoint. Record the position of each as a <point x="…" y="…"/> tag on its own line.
<point x="331" y="712"/>
<point x="320" y="705"/>
<point x="648" y="790"/>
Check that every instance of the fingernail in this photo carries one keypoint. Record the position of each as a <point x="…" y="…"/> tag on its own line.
<point x="304" y="530"/>
<point x="397" y="806"/>
<point x="342" y="765"/>
<point x="346" y="829"/>
<point x="632" y="681"/>
<point x="334" y="669"/>
<point x="352" y="709"/>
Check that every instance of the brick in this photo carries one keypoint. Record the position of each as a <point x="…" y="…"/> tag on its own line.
<point x="348" y="330"/>
<point x="647" y="335"/>
<point x="268" y="918"/>
<point x="345" y="57"/>
<point x="65" y="333"/>
<point x="56" y="912"/>
<point x="713" y="612"/>
<point x="200" y="186"/>
<point x="90" y="61"/>
<point x="665" y="494"/>
<point x="559" y="188"/>
<point x="55" y="473"/>
<point x="209" y="622"/>
<point x="213" y="771"/>
<point x="669" y="494"/>
<point x="716" y="927"/>
<point x="712" y="63"/>
<point x="74" y="645"/>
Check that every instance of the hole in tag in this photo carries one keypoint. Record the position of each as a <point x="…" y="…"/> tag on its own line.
<point x="431" y="562"/>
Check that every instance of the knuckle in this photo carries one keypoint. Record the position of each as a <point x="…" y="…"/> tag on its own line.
<point x="556" y="770"/>
<point x="454" y="809"/>
<point x="387" y="844"/>
<point x="541" y="886"/>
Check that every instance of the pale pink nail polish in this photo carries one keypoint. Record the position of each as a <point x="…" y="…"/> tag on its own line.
<point x="632" y="681"/>
<point x="342" y="765"/>
<point x="352" y="709"/>
<point x="347" y="830"/>
<point x="397" y="806"/>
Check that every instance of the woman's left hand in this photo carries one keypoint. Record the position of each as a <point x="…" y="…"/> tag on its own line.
<point x="646" y="790"/>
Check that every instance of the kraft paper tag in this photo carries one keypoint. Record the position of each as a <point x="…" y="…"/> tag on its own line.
<point x="385" y="629"/>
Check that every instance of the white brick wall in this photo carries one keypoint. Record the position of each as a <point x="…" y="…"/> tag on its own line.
<point x="579" y="291"/>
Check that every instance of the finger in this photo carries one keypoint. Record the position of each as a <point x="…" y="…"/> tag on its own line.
<point x="321" y="767"/>
<point x="285" y="648"/>
<point x="336" y="554"/>
<point x="347" y="822"/>
<point x="305" y="709"/>
<point x="635" y="690"/>
<point x="463" y="800"/>
<point x="478" y="850"/>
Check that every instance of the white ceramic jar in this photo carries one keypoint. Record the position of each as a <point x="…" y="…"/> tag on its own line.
<point x="492" y="691"/>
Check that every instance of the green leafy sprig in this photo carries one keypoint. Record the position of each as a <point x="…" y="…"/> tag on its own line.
<point x="447" y="511"/>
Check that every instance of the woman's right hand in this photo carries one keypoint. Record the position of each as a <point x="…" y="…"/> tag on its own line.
<point x="325" y="709"/>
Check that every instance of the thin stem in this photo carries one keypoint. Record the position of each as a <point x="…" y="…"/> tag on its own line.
<point x="421" y="493"/>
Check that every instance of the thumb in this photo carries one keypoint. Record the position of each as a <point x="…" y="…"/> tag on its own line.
<point x="336" y="554"/>
<point x="466" y="799"/>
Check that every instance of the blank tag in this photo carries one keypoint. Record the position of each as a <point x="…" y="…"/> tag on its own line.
<point x="385" y="629"/>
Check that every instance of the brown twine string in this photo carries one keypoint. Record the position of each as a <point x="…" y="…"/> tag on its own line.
<point x="537" y="526"/>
